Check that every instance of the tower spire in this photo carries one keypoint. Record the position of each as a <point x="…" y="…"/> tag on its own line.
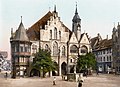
<point x="54" y="8"/>
<point x="76" y="9"/>
<point x="21" y="18"/>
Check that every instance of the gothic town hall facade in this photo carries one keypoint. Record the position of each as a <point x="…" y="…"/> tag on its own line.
<point x="51" y="34"/>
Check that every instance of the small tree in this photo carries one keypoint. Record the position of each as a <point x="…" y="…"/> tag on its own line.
<point x="86" y="61"/>
<point x="43" y="61"/>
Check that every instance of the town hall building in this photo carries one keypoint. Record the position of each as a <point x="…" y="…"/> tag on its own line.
<point x="51" y="34"/>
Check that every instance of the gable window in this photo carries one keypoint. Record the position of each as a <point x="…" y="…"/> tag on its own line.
<point x="60" y="35"/>
<point x="47" y="48"/>
<point x="50" y="34"/>
<point x="84" y="49"/>
<point x="55" y="33"/>
<point x="55" y="49"/>
<point x="73" y="49"/>
<point x="63" y="51"/>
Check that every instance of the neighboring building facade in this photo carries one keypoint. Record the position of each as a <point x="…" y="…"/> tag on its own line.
<point x="5" y="65"/>
<point x="51" y="34"/>
<point x="103" y="52"/>
<point x="116" y="48"/>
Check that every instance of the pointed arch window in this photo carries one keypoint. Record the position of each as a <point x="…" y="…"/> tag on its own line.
<point x="50" y="34"/>
<point x="60" y="35"/>
<point x="73" y="49"/>
<point x="55" y="33"/>
<point x="47" y="48"/>
<point x="63" y="51"/>
<point x="84" y="49"/>
<point x="55" y="49"/>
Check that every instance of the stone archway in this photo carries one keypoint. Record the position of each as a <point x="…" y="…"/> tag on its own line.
<point x="34" y="72"/>
<point x="64" y="68"/>
<point x="55" y="72"/>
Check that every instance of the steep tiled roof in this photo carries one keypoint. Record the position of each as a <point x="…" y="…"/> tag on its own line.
<point x="21" y="33"/>
<point x="94" y="41"/>
<point x="104" y="44"/>
<point x="33" y="31"/>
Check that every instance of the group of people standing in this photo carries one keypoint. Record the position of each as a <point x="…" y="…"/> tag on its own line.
<point x="79" y="80"/>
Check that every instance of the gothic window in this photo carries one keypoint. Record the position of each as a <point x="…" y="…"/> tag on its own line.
<point x="55" y="33"/>
<point x="73" y="49"/>
<point x="84" y="49"/>
<point x="63" y="51"/>
<point x="47" y="48"/>
<point x="55" y="49"/>
<point x="59" y="34"/>
<point x="50" y="34"/>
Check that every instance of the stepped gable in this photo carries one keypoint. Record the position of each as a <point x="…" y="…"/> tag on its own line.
<point x="33" y="31"/>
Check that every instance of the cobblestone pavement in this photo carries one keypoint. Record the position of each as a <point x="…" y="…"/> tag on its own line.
<point x="91" y="81"/>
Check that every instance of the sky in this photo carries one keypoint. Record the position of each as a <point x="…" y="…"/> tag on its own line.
<point x="97" y="16"/>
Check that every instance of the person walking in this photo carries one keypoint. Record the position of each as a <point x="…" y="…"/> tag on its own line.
<point x="54" y="81"/>
<point x="80" y="80"/>
<point x="6" y="75"/>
